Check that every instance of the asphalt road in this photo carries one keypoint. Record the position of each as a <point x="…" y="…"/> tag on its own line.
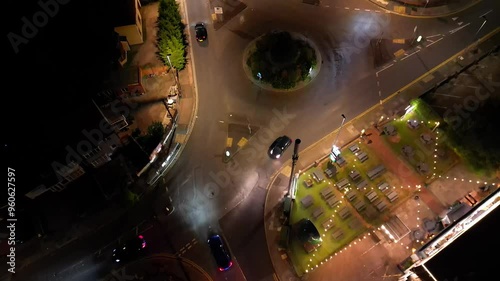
<point x="207" y="192"/>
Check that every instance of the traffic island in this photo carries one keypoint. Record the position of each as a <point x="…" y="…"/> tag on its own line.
<point x="281" y="61"/>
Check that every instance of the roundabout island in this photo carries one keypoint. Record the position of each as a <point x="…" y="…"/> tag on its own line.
<point x="281" y="61"/>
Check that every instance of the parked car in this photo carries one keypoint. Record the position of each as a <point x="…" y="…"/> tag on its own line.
<point x="129" y="250"/>
<point x="220" y="252"/>
<point x="279" y="146"/>
<point x="201" y="32"/>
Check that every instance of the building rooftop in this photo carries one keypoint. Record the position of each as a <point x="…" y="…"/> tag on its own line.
<point x="472" y="255"/>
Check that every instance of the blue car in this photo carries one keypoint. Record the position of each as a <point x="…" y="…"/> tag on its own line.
<point x="220" y="252"/>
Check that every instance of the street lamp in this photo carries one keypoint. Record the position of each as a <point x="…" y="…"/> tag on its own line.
<point x="174" y="70"/>
<point x="295" y="157"/>
<point x="335" y="150"/>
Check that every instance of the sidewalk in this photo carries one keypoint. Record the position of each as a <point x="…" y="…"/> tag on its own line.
<point x="387" y="110"/>
<point x="419" y="8"/>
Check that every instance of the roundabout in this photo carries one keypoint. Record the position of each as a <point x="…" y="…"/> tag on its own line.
<point x="281" y="61"/>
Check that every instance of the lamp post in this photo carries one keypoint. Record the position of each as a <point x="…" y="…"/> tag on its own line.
<point x="171" y="67"/>
<point x="295" y="157"/>
<point x="335" y="150"/>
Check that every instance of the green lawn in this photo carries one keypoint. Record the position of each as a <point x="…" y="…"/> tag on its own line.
<point x="353" y="226"/>
<point x="437" y="155"/>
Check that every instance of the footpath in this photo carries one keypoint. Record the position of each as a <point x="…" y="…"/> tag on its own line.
<point x="425" y="8"/>
<point x="389" y="109"/>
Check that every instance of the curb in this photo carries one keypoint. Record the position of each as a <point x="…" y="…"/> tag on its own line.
<point x="437" y="15"/>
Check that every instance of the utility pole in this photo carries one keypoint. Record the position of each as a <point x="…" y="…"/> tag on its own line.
<point x="295" y="157"/>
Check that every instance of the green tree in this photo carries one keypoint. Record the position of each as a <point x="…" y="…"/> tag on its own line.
<point x="475" y="137"/>
<point x="171" y="40"/>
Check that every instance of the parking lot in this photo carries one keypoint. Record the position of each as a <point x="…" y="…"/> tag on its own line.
<point x="465" y="92"/>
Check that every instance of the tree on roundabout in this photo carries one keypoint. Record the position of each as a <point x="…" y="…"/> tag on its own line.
<point x="281" y="60"/>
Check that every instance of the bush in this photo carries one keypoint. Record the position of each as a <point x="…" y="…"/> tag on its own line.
<point x="281" y="60"/>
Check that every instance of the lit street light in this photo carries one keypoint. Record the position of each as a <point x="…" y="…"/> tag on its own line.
<point x="335" y="150"/>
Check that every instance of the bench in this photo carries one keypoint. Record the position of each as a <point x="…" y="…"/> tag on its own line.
<point x="338" y="234"/>
<point x="362" y="184"/>
<point x="392" y="196"/>
<point x="330" y="172"/>
<point x="360" y="205"/>
<point x="326" y="192"/>
<point x="354" y="175"/>
<point x="381" y="206"/>
<point x="354" y="148"/>
<point x="344" y="213"/>
<point x="343" y="183"/>
<point x="371" y="196"/>
<point x="362" y="157"/>
<point x="383" y="186"/>
<point x="332" y="201"/>
<point x="351" y="195"/>
<point x="317" y="175"/>
<point x="327" y="225"/>
<point x="307" y="201"/>
<point x="317" y="212"/>
<point x="375" y="172"/>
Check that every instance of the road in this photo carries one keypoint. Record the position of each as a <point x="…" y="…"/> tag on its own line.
<point x="207" y="192"/>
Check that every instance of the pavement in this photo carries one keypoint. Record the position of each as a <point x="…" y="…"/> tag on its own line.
<point x="351" y="131"/>
<point x="419" y="8"/>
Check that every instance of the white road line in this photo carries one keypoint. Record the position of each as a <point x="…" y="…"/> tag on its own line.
<point x="356" y="9"/>
<point x="367" y="10"/>
<point x="458" y="28"/>
<point x="378" y="83"/>
<point x="384" y="69"/>
<point x="486" y="13"/>
<point x="377" y="11"/>
<point x="446" y="95"/>
<point x="347" y="8"/>
<point x="410" y="55"/>
<point x="379" y="93"/>
<point x="430" y="40"/>
<point x="435" y="35"/>
<point x="434" y="42"/>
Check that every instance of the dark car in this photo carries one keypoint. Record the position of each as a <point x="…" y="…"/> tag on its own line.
<point x="129" y="250"/>
<point x="279" y="146"/>
<point x="201" y="32"/>
<point x="220" y="252"/>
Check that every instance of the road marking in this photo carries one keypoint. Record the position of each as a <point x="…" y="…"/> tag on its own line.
<point x="454" y="19"/>
<point x="386" y="67"/>
<point x="410" y="55"/>
<point x="446" y="95"/>
<point x="356" y="9"/>
<point x="458" y="28"/>
<point x="367" y="10"/>
<point x="434" y="42"/>
<point x="474" y="87"/>
<point x="377" y="11"/>
<point x="435" y="35"/>
<point x="378" y="83"/>
<point x="347" y="8"/>
<point x="483" y="15"/>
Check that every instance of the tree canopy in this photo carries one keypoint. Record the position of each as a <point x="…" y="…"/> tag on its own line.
<point x="171" y="40"/>
<point x="476" y="138"/>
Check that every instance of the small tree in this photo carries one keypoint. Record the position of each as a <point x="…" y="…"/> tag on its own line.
<point x="171" y="41"/>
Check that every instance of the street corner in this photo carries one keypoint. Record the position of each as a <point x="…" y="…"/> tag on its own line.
<point x="160" y="267"/>
<point x="238" y="136"/>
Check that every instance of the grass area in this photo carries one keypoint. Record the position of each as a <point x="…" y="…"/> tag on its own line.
<point x="354" y="225"/>
<point x="436" y="154"/>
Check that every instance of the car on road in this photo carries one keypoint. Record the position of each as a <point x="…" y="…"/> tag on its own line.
<point x="279" y="146"/>
<point x="220" y="252"/>
<point x="201" y="32"/>
<point x="130" y="249"/>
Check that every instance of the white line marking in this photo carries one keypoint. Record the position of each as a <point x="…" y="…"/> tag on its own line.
<point x="410" y="55"/>
<point x="386" y="67"/>
<point x="434" y="42"/>
<point x="377" y="11"/>
<point x="327" y="6"/>
<point x="474" y="87"/>
<point x="458" y="28"/>
<point x="486" y="13"/>
<point x="378" y="83"/>
<point x="367" y="10"/>
<point x="356" y="9"/>
<point x="435" y="35"/>
<point x="347" y="8"/>
<point x="430" y="40"/>
<point x="379" y="93"/>
<point x="446" y="95"/>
